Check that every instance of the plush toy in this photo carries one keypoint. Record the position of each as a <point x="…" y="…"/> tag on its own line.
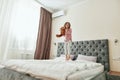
<point x="62" y="32"/>
<point x="73" y="57"/>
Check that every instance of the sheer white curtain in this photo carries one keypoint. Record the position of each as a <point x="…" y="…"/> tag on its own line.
<point x="19" y="20"/>
<point x="6" y="8"/>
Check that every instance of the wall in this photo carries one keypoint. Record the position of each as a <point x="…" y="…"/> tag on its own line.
<point x="91" y="20"/>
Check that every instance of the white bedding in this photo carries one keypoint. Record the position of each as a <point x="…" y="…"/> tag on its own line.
<point x="86" y="74"/>
<point x="56" y="69"/>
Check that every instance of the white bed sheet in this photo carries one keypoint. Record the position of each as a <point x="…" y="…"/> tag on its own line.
<point x="87" y="74"/>
<point x="55" y="69"/>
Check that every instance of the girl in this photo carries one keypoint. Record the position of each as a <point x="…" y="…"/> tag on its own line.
<point x="68" y="39"/>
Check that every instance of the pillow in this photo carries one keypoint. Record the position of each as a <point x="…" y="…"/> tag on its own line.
<point x="62" y="57"/>
<point x="87" y="58"/>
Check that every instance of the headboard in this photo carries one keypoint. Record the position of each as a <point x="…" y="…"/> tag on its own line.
<point x="99" y="48"/>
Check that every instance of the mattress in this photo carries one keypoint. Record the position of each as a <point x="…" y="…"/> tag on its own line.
<point x="56" y="70"/>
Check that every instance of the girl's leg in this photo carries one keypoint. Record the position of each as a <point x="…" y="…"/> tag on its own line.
<point x="65" y="48"/>
<point x="69" y="47"/>
<point x="68" y="50"/>
<point x="67" y="56"/>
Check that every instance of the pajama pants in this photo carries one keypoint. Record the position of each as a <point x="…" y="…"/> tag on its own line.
<point x="67" y="47"/>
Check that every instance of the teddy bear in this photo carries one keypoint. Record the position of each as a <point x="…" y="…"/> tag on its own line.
<point x="62" y="32"/>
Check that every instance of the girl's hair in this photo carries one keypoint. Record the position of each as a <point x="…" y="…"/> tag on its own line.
<point x="68" y="24"/>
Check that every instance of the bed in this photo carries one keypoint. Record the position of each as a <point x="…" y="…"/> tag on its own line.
<point x="58" y="70"/>
<point x="99" y="48"/>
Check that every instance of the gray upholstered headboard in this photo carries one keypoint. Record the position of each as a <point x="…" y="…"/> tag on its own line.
<point x="97" y="48"/>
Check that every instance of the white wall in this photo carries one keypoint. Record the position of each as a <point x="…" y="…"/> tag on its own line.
<point x="91" y="20"/>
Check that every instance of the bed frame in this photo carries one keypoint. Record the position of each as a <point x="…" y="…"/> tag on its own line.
<point x="99" y="48"/>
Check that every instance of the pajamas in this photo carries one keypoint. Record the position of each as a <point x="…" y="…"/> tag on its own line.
<point x="67" y="47"/>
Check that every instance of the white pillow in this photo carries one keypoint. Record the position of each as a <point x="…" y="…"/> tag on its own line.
<point x="87" y="58"/>
<point x="62" y="57"/>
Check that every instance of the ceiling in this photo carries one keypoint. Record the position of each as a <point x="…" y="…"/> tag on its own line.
<point x="56" y="5"/>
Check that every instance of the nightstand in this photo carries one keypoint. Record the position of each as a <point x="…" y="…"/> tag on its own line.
<point x="113" y="75"/>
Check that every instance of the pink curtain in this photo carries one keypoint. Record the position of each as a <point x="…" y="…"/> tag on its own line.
<point x="44" y="35"/>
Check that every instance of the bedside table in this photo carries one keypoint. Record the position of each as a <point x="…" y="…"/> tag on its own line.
<point x="113" y="75"/>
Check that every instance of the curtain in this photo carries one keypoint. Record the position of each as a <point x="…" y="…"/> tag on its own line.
<point x="6" y="10"/>
<point x="24" y="31"/>
<point x="44" y="35"/>
<point x="19" y="20"/>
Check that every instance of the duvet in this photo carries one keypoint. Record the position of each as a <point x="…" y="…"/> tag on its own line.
<point x="52" y="69"/>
